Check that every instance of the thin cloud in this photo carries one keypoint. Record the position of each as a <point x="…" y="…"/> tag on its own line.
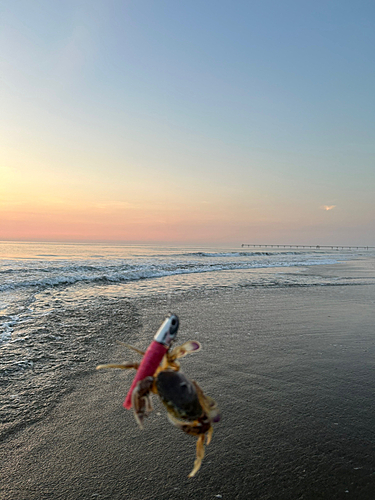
<point x="328" y="207"/>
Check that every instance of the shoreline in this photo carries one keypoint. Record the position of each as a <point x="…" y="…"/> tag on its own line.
<point x="292" y="372"/>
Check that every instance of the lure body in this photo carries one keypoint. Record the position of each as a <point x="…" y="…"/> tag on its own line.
<point x="154" y="354"/>
<point x="150" y="361"/>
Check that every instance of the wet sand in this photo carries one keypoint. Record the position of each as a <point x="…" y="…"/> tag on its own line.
<point x="292" y="370"/>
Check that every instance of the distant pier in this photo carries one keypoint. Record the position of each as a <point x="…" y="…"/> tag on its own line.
<point x="316" y="247"/>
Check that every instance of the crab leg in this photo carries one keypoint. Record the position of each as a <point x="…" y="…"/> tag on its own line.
<point x="209" y="435"/>
<point x="200" y="455"/>
<point x="122" y="366"/>
<point x="142" y="353"/>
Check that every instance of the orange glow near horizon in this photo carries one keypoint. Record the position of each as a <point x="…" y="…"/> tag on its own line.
<point x="38" y="205"/>
<point x="34" y="205"/>
<point x="93" y="222"/>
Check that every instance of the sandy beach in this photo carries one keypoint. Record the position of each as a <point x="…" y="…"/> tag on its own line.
<point x="292" y="370"/>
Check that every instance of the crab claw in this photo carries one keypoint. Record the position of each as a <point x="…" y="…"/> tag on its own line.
<point x="184" y="349"/>
<point x="141" y="400"/>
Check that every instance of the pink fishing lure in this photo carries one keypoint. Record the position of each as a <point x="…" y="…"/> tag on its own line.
<point x="154" y="354"/>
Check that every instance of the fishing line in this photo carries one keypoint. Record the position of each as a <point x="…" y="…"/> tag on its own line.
<point x="169" y="295"/>
<point x="169" y="286"/>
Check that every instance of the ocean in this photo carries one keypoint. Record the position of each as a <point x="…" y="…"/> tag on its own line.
<point x="61" y="303"/>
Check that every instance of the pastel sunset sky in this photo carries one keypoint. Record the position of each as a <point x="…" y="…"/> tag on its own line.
<point x="174" y="121"/>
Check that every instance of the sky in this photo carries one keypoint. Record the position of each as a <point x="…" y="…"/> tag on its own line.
<point x="202" y="122"/>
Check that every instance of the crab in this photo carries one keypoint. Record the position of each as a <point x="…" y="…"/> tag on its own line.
<point x="188" y="407"/>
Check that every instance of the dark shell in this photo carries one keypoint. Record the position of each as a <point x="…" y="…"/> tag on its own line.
<point x="179" y="395"/>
